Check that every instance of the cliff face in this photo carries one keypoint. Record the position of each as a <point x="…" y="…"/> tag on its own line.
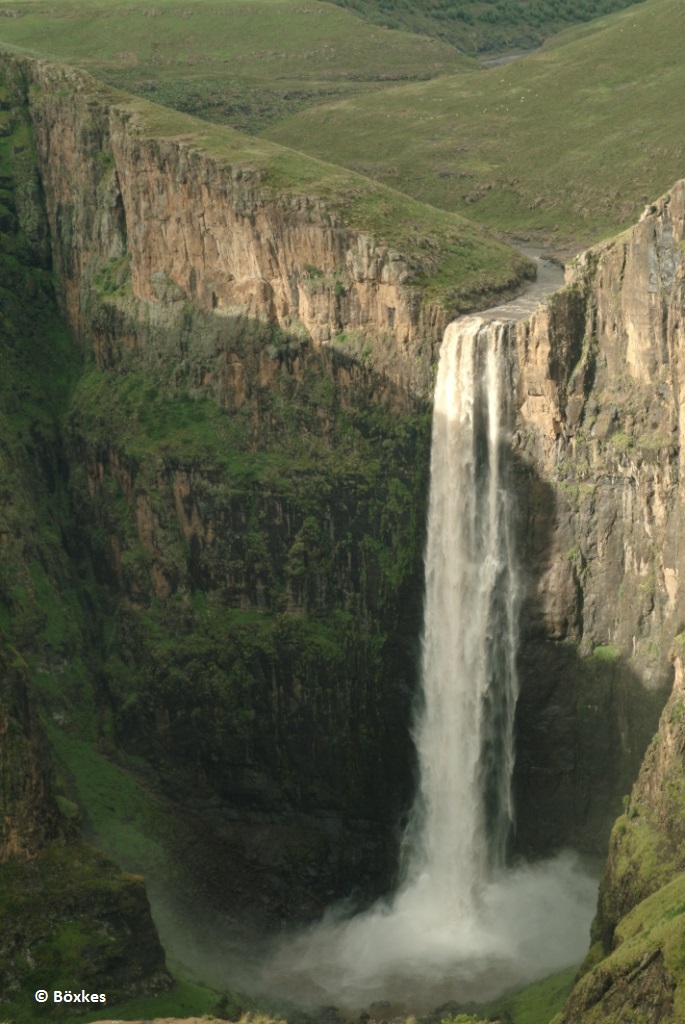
<point x="246" y="501"/>
<point x="68" y="915"/>
<point x="598" y="464"/>
<point x="635" y="963"/>
<point x="191" y="227"/>
<point x="30" y="817"/>
<point x="601" y="376"/>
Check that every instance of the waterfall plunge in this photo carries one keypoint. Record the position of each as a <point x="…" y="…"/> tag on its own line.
<point x="464" y="737"/>
<point x="460" y="926"/>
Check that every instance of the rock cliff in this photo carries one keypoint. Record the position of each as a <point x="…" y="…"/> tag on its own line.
<point x="229" y="225"/>
<point x="30" y="816"/>
<point x="227" y="593"/>
<point x="68" y="915"/>
<point x="600" y="432"/>
<point x="635" y="963"/>
<point x="598" y="453"/>
<point x="235" y="599"/>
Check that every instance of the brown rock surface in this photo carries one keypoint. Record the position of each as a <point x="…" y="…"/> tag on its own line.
<point x="197" y="228"/>
<point x="598" y="466"/>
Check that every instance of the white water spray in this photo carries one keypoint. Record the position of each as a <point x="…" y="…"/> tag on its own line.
<point x="460" y="926"/>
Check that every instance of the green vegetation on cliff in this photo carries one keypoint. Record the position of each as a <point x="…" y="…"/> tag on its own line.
<point x="70" y="919"/>
<point x="643" y="978"/>
<point x="39" y="610"/>
<point x="635" y="970"/>
<point x="68" y="916"/>
<point x="256" y="584"/>
<point x="211" y="564"/>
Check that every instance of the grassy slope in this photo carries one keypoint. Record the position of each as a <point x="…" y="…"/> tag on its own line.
<point x="243" y="63"/>
<point x="568" y="143"/>
<point x="536" y="1003"/>
<point x="483" y="25"/>
<point x="618" y="988"/>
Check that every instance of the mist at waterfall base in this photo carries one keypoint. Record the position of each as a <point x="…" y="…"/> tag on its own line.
<point x="417" y="953"/>
<point x="462" y="925"/>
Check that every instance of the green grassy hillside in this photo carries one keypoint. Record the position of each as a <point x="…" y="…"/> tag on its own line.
<point x="241" y="63"/>
<point x="564" y="146"/>
<point x="478" y="26"/>
<point x="642" y="978"/>
<point x="567" y="144"/>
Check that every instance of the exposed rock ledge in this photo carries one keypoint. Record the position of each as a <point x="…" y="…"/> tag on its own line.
<point x="207" y="223"/>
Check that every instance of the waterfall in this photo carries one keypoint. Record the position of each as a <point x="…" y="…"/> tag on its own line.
<point x="461" y="925"/>
<point x="464" y="735"/>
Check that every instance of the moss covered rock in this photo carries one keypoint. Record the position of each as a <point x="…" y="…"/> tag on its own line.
<point x="29" y="815"/>
<point x="71" y="920"/>
<point x="635" y="970"/>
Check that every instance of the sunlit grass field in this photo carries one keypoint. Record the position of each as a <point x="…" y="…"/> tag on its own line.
<point x="563" y="146"/>
<point x="566" y="145"/>
<point x="243" y="62"/>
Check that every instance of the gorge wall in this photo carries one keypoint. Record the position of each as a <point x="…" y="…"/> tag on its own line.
<point x="243" y="507"/>
<point x="227" y="601"/>
<point x="599" y="442"/>
<point x="90" y="925"/>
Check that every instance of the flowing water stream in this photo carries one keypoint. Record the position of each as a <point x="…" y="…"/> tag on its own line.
<point x="464" y="736"/>
<point x="461" y="925"/>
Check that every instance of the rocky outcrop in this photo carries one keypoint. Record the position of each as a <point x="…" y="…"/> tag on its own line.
<point x="636" y="961"/>
<point x="598" y="469"/>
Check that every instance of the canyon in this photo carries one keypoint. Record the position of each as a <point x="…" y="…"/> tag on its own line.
<point x="213" y="528"/>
